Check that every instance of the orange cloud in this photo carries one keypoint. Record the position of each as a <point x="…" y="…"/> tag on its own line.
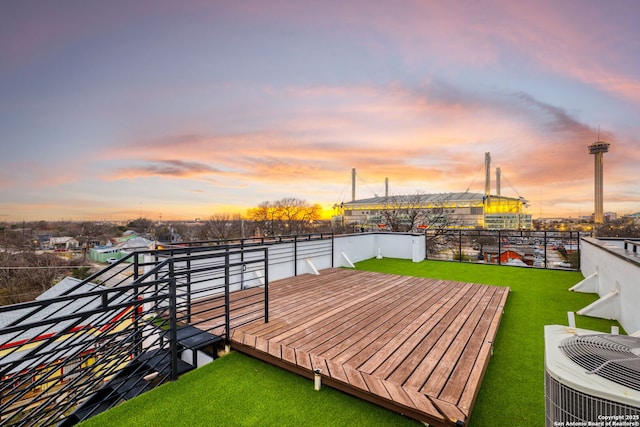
<point x="427" y="138"/>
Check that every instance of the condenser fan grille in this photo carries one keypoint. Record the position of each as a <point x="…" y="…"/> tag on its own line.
<point x="614" y="357"/>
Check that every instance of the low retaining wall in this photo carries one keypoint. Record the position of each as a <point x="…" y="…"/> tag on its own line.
<point x="612" y="272"/>
<point x="359" y="247"/>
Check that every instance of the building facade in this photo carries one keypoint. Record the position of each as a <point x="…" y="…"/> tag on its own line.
<point x="449" y="210"/>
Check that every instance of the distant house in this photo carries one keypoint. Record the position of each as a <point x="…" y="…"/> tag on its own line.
<point x="63" y="243"/>
<point x="506" y="255"/>
<point x="634" y="217"/>
<point x="43" y="240"/>
<point x="516" y="262"/>
<point x="509" y="256"/>
<point x="40" y="357"/>
<point x="123" y="247"/>
<point x="136" y="243"/>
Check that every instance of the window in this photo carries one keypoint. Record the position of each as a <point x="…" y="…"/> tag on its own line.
<point x="477" y="210"/>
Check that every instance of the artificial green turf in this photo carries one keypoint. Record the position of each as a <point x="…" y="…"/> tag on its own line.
<point x="237" y="390"/>
<point x="240" y="391"/>
<point x="512" y="392"/>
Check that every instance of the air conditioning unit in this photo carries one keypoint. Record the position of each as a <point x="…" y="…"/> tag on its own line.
<point x="591" y="378"/>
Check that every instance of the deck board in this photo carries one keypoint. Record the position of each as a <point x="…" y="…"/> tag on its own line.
<point x="415" y="345"/>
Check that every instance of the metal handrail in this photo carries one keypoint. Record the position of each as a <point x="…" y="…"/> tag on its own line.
<point x="634" y="244"/>
<point x="58" y="354"/>
<point x="462" y="239"/>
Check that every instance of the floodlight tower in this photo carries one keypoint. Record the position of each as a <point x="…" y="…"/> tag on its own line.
<point x="598" y="149"/>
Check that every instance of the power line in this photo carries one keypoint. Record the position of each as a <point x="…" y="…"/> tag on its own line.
<point x="42" y="267"/>
<point x="362" y="180"/>
<point x="511" y="185"/>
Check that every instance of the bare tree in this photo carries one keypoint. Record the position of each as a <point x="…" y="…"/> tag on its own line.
<point x="406" y="213"/>
<point x="618" y="228"/>
<point x="297" y="214"/>
<point x="17" y="238"/>
<point x="23" y="276"/>
<point x="189" y="232"/>
<point x="141" y="225"/>
<point x="483" y="240"/>
<point x="284" y="217"/>
<point x="222" y="226"/>
<point x="417" y="212"/>
<point x="435" y="215"/>
<point x="266" y="218"/>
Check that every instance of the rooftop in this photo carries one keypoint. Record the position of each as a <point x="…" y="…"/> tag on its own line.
<point x="430" y="197"/>
<point x="316" y="314"/>
<point x="514" y="379"/>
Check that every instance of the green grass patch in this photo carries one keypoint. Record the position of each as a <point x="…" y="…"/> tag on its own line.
<point x="512" y="392"/>
<point x="237" y="390"/>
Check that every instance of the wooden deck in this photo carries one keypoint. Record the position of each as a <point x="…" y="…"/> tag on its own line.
<point x="414" y="345"/>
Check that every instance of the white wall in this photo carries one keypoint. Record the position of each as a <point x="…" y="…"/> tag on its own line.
<point x="359" y="247"/>
<point x="617" y="271"/>
<point x="312" y="256"/>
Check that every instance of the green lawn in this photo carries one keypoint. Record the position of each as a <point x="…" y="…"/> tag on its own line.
<point x="239" y="391"/>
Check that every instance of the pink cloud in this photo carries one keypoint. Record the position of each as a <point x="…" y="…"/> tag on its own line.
<point x="578" y="40"/>
<point x="434" y="136"/>
<point x="167" y="168"/>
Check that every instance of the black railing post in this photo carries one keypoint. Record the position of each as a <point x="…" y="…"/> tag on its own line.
<point x="266" y="285"/>
<point x="136" y="311"/>
<point x="499" y="248"/>
<point x="136" y="265"/>
<point x="227" y="315"/>
<point x="426" y="244"/>
<point x="295" y="255"/>
<point x="578" y="249"/>
<point x="189" y="285"/>
<point x="173" y="322"/>
<point x="460" y="244"/>
<point x="156" y="275"/>
<point x="546" y="261"/>
<point x="332" y="249"/>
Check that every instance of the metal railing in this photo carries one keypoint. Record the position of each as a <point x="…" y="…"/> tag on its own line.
<point x="97" y="342"/>
<point x="256" y="241"/>
<point x="541" y="249"/>
<point x="632" y="245"/>
<point x="283" y="249"/>
<point x="105" y="339"/>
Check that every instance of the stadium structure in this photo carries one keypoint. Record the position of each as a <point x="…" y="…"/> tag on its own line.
<point x="437" y="210"/>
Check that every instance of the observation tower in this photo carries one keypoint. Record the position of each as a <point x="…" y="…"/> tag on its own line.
<point x="598" y="149"/>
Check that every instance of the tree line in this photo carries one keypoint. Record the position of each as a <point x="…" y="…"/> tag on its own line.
<point x="25" y="272"/>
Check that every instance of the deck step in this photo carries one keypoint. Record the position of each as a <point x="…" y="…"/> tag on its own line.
<point x="146" y="371"/>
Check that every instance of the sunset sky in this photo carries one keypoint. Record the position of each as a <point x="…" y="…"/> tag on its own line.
<point x="181" y="109"/>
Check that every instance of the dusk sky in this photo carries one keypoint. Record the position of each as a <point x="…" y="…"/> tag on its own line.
<point x="165" y="109"/>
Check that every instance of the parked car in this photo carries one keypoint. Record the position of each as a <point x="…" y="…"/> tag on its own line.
<point x="112" y="260"/>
